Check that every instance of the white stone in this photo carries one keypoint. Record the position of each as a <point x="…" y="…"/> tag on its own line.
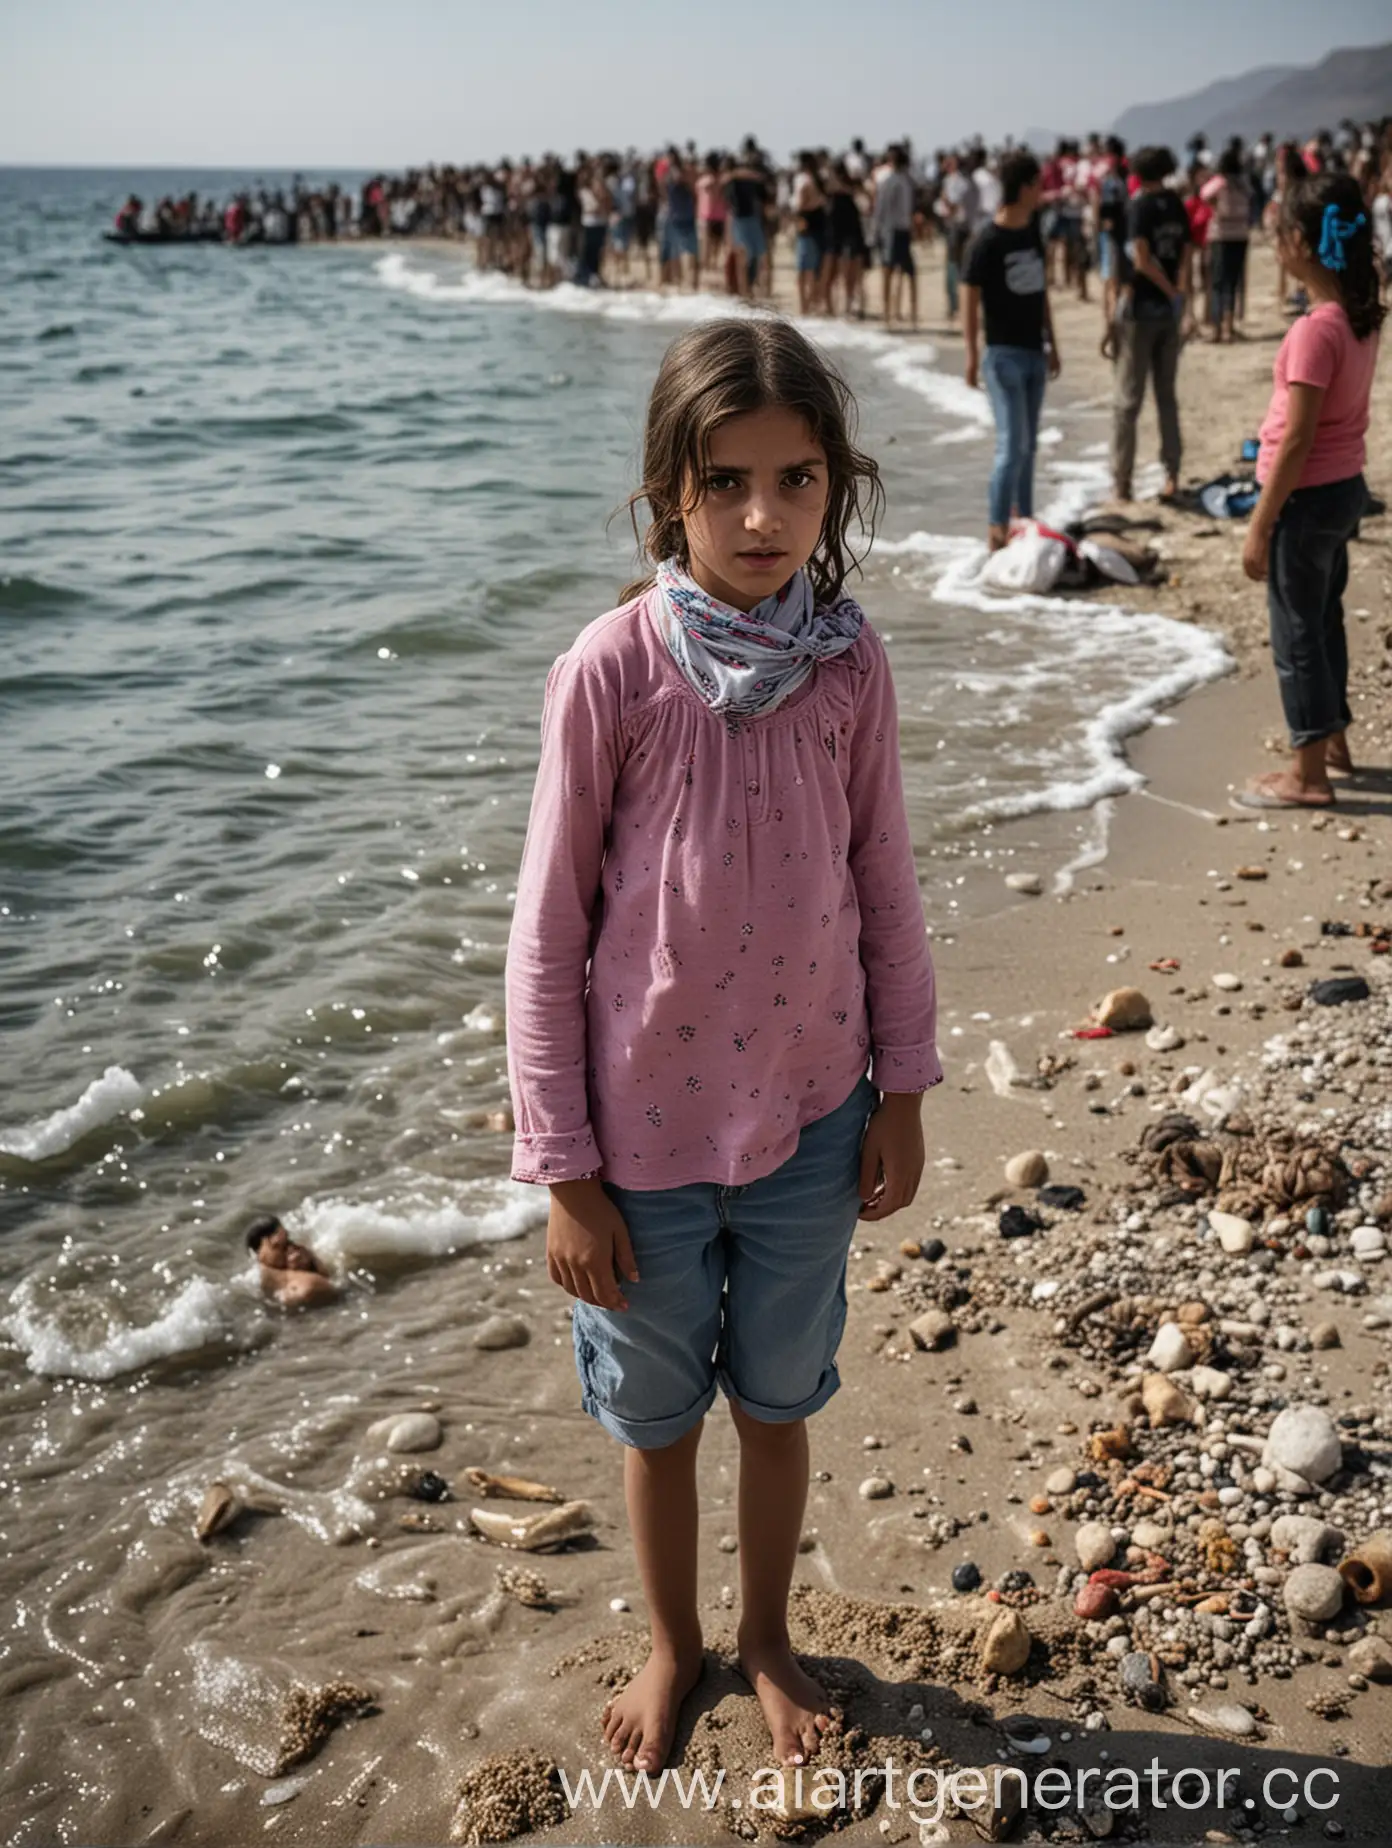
<point x="1234" y="1235"/>
<point x="1170" y="1351"/>
<point x="1237" y="1722"/>
<point x="406" y="1431"/>
<point x="1030" y="883"/>
<point x="1228" y="983"/>
<point x="1314" y="1593"/>
<point x="1367" y="1242"/>
<point x="1060" y="1482"/>
<point x="1095" y="1545"/>
<point x="1306" y="1539"/>
<point x="1164" y="1039"/>
<point x="1211" y="1383"/>
<point x="876" y="1488"/>
<point x="1304" y="1443"/>
<point x="502" y="1331"/>
<point x="1028" y="1169"/>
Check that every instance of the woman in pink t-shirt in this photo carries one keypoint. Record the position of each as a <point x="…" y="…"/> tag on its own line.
<point x="1311" y="470"/>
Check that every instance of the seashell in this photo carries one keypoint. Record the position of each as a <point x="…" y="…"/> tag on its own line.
<point x="534" y="1533"/>
<point x="217" y="1511"/>
<point x="1368" y="1569"/>
<point x="510" y="1488"/>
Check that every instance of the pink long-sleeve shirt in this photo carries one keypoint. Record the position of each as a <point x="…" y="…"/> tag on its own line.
<point x="718" y="926"/>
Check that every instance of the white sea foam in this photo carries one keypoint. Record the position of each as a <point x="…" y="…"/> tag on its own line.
<point x="416" y="1224"/>
<point x="55" y="1338"/>
<point x="115" y="1092"/>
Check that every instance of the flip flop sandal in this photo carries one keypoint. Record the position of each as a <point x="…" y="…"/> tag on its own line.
<point x="1262" y="799"/>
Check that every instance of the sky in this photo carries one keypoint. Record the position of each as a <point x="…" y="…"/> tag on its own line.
<point x="347" y="84"/>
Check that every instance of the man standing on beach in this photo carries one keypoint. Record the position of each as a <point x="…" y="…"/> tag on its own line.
<point x="893" y="215"/>
<point x="1153" y="319"/>
<point x="1004" y="282"/>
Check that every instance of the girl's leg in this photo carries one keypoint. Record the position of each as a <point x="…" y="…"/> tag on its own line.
<point x="660" y="1488"/>
<point x="772" y="1500"/>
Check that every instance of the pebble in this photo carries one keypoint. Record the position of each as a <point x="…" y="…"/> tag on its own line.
<point x="1094" y="1545"/>
<point x="1031" y="883"/>
<point x="1095" y="1603"/>
<point x="1139" y="1681"/>
<point x="1368" y="1242"/>
<point x="1124" y="1010"/>
<point x="1164" y="1039"/>
<point x="876" y="1488"/>
<point x="1306" y="1539"/>
<point x="1304" y="1442"/>
<point x="502" y="1331"/>
<point x="1228" y="983"/>
<point x="1314" y="1593"/>
<point x="932" y="1330"/>
<point x="1237" y="1722"/>
<point x="1170" y="1351"/>
<point x="406" y="1431"/>
<point x="1150" y="1536"/>
<point x="966" y="1577"/>
<point x="1029" y="1169"/>
<point x="1007" y="1645"/>
<point x="1235" y="1235"/>
<point x="1165" y="1404"/>
<point x="619" y="1604"/>
<point x="1061" y="1482"/>
<point x="1372" y="1656"/>
<point x="1211" y="1383"/>
<point x="934" y="1249"/>
<point x="1324" y="1335"/>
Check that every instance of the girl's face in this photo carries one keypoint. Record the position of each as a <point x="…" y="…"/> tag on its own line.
<point x="759" y="508"/>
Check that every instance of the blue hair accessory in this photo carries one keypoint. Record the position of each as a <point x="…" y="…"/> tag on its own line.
<point x="1335" y="232"/>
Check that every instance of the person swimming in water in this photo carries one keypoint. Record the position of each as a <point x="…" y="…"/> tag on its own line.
<point x="289" y="1272"/>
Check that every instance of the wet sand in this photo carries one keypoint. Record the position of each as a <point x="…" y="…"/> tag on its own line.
<point x="467" y="1680"/>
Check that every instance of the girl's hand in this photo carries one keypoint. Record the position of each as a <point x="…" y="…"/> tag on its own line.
<point x="891" y="1156"/>
<point x="1256" y="552"/>
<point x="587" y="1245"/>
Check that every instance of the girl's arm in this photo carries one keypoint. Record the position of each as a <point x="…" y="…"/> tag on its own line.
<point x="899" y="985"/>
<point x="549" y="945"/>
<point x="1302" y="421"/>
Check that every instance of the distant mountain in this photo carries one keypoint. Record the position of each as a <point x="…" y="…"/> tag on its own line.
<point x="1288" y="101"/>
<point x="1173" y="123"/>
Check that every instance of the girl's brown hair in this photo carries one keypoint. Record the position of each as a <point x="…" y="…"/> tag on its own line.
<point x="723" y="369"/>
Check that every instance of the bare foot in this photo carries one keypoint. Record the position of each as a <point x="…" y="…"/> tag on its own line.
<point x="997" y="538"/>
<point x="1338" y="761"/>
<point x="796" y="1708"/>
<point x="640" y="1720"/>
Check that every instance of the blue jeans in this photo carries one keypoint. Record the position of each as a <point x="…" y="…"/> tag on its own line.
<point x="1014" y="378"/>
<point x="741" y="1288"/>
<point x="1306" y="579"/>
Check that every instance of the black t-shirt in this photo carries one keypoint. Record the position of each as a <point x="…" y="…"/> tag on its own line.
<point x="745" y="198"/>
<point x="1008" y="268"/>
<point x="1160" y="218"/>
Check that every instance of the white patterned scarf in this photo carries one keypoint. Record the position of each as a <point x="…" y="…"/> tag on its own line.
<point x="745" y="664"/>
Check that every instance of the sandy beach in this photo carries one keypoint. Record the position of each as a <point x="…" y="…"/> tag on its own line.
<point x="439" y="1684"/>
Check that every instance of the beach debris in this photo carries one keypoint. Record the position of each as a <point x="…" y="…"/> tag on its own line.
<point x="509" y="1488"/>
<point x="1251" y="872"/>
<point x="1165" y="1404"/>
<point x="1339" y="990"/>
<point x="284" y="1790"/>
<point x="1141" y="1679"/>
<point x="1368" y="1569"/>
<point x="1302" y="1447"/>
<point x="1002" y="1073"/>
<point x="1166" y="965"/>
<point x="534" y="1533"/>
<point x="1170" y="1351"/>
<point x="1292" y="959"/>
<point x="1123" y="1010"/>
<point x="1028" y="1169"/>
<point x="1229" y="1720"/>
<point x="1372" y="1656"/>
<point x="217" y="1511"/>
<point x="967" y="1576"/>
<point x="406" y="1432"/>
<point x="1060" y="1197"/>
<point x="527" y="1587"/>
<point x="417" y="1521"/>
<point x="501" y="1331"/>
<point x="933" y="1330"/>
<point x="430" y="1487"/>
<point x="509" y="1794"/>
<point x="1164" y="1039"/>
<point x="1007" y="1644"/>
<point x="1104" y="1446"/>
<point x="1092" y="1033"/>
<point x="1314" y="1593"/>
<point x="1031" y="884"/>
<point x="1004" y="1787"/>
<point x="1019" y="1222"/>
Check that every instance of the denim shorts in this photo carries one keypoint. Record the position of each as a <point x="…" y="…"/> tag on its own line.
<point x="678" y="241"/>
<point x="748" y="234"/>
<point x="808" y="254"/>
<point x="739" y="1287"/>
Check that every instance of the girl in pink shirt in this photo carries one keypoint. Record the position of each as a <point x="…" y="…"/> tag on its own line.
<point x="1311" y="470"/>
<point x="718" y="929"/>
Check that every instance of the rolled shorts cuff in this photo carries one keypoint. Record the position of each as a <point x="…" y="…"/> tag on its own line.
<point x="1298" y="739"/>
<point x="829" y="1384"/>
<point x="649" y="1433"/>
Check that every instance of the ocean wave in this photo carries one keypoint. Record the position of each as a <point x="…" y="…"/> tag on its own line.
<point x="111" y="1095"/>
<point x="417" y="1225"/>
<point x="54" y="1331"/>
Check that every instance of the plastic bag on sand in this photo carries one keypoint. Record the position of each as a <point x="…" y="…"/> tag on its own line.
<point x="1110" y="562"/>
<point x="1032" y="561"/>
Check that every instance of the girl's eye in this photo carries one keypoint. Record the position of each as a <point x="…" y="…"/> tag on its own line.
<point x="721" y="484"/>
<point x="797" y="478"/>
